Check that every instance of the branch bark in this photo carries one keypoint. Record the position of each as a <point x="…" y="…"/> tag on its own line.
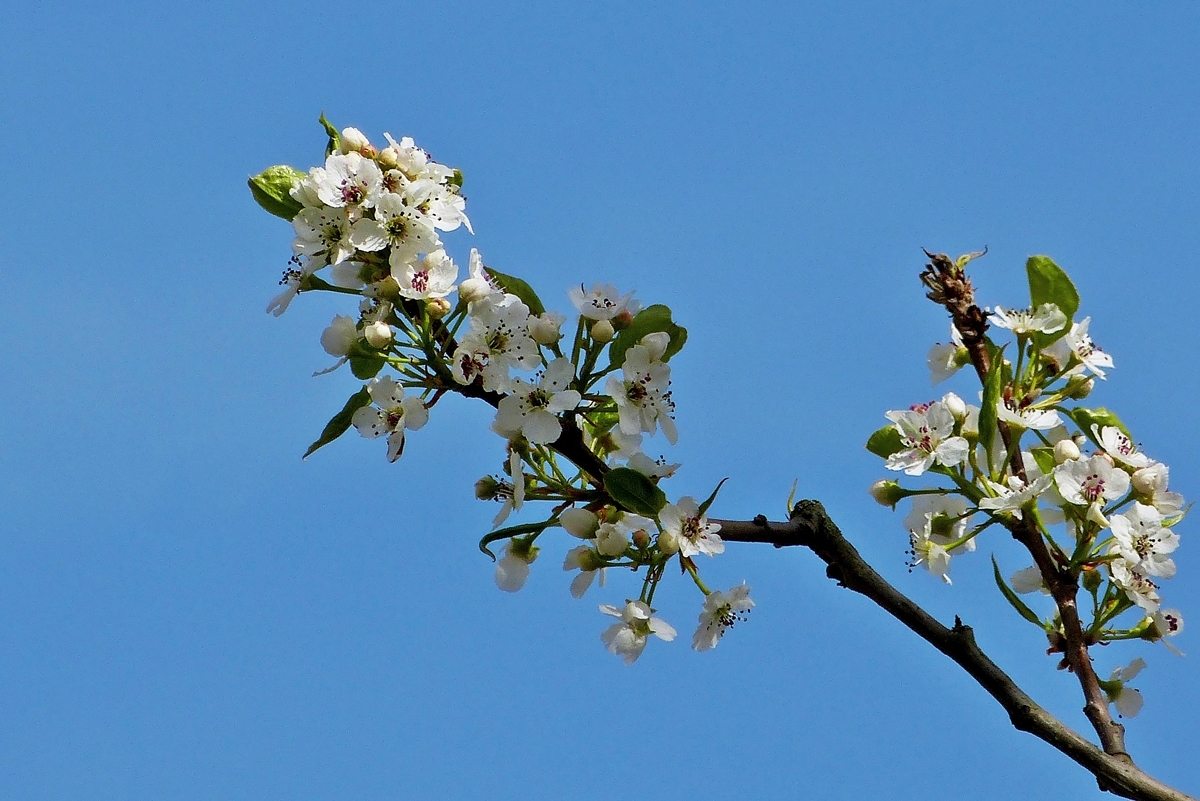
<point x="811" y="527"/>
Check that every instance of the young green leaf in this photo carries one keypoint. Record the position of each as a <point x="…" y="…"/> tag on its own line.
<point x="515" y="286"/>
<point x="1101" y="418"/>
<point x="884" y="442"/>
<point x="650" y="320"/>
<point x="335" y="138"/>
<point x="634" y="492"/>
<point x="1048" y="283"/>
<point x="340" y="422"/>
<point x="272" y="189"/>
<point x="707" y="503"/>
<point x="366" y="367"/>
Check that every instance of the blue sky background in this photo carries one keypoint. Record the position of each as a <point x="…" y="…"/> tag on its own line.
<point x="188" y="611"/>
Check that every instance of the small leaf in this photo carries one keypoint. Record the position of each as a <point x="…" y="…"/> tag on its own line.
<point x="1048" y="283"/>
<point x="515" y="286"/>
<point x="704" y="506"/>
<point x="366" y="367"/>
<point x="1023" y="610"/>
<point x="1044" y="457"/>
<point x="884" y="442"/>
<point x="650" y="320"/>
<point x="634" y="492"/>
<point x="514" y="531"/>
<point x="1101" y="418"/>
<point x="987" y="408"/>
<point x="335" y="138"/>
<point x="340" y="423"/>
<point x="272" y="189"/>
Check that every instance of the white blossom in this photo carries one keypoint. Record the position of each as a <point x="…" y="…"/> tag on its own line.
<point x="532" y="409"/>
<point x="627" y="639"/>
<point x="589" y="563"/>
<point x="1045" y="319"/>
<point x="391" y="415"/>
<point x="696" y="535"/>
<point x="512" y="569"/>
<point x="946" y="360"/>
<point x="720" y="612"/>
<point x="601" y="302"/>
<point x="1127" y="700"/>
<point x="927" y="433"/>
<point x="1076" y="343"/>
<point x="1137" y="586"/>
<point x="1120" y="447"/>
<point x="1143" y="541"/>
<point x="430" y="277"/>
<point x="1012" y="497"/>
<point x="643" y="400"/>
<point x="1093" y="480"/>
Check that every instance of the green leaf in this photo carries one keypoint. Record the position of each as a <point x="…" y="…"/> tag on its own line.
<point x="1023" y="610"/>
<point x="272" y="188"/>
<point x="335" y="138"/>
<point x="1048" y="283"/>
<point x="515" y="286"/>
<point x="704" y="506"/>
<point x="650" y="320"/>
<point x="987" y="407"/>
<point x="634" y="492"/>
<point x="513" y="531"/>
<point x="884" y="442"/>
<point x="1045" y="459"/>
<point x="366" y="367"/>
<point x="1101" y="418"/>
<point x="341" y="421"/>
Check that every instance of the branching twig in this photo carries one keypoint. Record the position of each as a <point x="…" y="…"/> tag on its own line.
<point x="812" y="528"/>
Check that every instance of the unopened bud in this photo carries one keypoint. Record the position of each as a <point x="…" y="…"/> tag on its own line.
<point x="544" y="328"/>
<point x="603" y="331"/>
<point x="388" y="158"/>
<point x="1091" y="579"/>
<point x="1065" y="451"/>
<point x="579" y="523"/>
<point x="378" y="334"/>
<point x="354" y="139"/>
<point x="955" y="405"/>
<point x="622" y="320"/>
<point x="641" y="538"/>
<point x="474" y="289"/>
<point x="656" y="344"/>
<point x="437" y="307"/>
<point x="887" y="493"/>
<point x="1079" y="387"/>
<point x="668" y="543"/>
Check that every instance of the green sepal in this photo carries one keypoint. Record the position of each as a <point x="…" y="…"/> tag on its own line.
<point x="634" y="492"/>
<point x="513" y="531"/>
<point x="335" y="138"/>
<point x="1049" y="283"/>
<point x="650" y="320"/>
<point x="704" y="506"/>
<point x="272" y="189"/>
<point x="987" y="408"/>
<point x="366" y="367"/>
<point x="1023" y="610"/>
<point x="884" y="442"/>
<point x="1101" y="418"/>
<point x="515" y="286"/>
<point x="340" y="423"/>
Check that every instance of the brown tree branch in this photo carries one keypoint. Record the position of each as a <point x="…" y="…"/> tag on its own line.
<point x="811" y="527"/>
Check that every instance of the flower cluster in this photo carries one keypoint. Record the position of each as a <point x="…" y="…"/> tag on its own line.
<point x="1028" y="458"/>
<point x="573" y="410"/>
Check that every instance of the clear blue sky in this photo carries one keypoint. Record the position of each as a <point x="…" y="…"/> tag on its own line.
<point x="188" y="611"/>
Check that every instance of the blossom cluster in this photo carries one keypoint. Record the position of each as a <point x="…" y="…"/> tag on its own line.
<point x="1027" y="458"/>
<point x="573" y="410"/>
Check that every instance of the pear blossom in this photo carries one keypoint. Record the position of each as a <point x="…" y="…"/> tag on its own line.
<point x="627" y="639"/>
<point x="430" y="277"/>
<point x="1012" y="497"/>
<point x="1136" y="586"/>
<point x="532" y="410"/>
<point x="1030" y="417"/>
<point x="1029" y="580"/>
<point x="1151" y="483"/>
<point x="601" y="302"/>
<point x="643" y="400"/>
<point x="349" y="181"/>
<point x="1143" y="541"/>
<point x="927" y="433"/>
<point x="513" y="494"/>
<point x="324" y="235"/>
<point x="545" y="327"/>
<point x="339" y="336"/>
<point x="498" y="340"/>
<point x="391" y="414"/>
<point x="612" y="539"/>
<point x="1127" y="700"/>
<point x="720" y="612"/>
<point x="1167" y="622"/>
<point x="1120" y="447"/>
<point x="399" y="227"/>
<point x="589" y="563"/>
<point x="440" y="204"/>
<point x="478" y="285"/>
<point x="652" y="468"/>
<point x="581" y="523"/>
<point x="1078" y="344"/>
<point x="944" y="361"/>
<point x="1093" y="480"/>
<point x="935" y="522"/>
<point x="932" y="554"/>
<point x="1045" y="319"/>
<point x="512" y="569"/>
<point x="696" y="535"/>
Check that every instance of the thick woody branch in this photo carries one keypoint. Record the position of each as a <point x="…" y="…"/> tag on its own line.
<point x="812" y="528"/>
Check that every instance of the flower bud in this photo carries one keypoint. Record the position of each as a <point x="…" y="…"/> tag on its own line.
<point x="339" y="336"/>
<point x="437" y="307"/>
<point x="388" y="158"/>
<point x="354" y="139"/>
<point x="474" y="289"/>
<point x="378" y="334"/>
<point x="622" y="320"/>
<point x="387" y="288"/>
<point x="486" y="488"/>
<point x="1091" y="580"/>
<point x="656" y="344"/>
<point x="668" y="543"/>
<point x="603" y="331"/>
<point x="1065" y="451"/>
<point x="1079" y="387"/>
<point x="1147" y="480"/>
<point x="887" y="493"/>
<point x="579" y="523"/>
<point x="641" y="538"/>
<point x="955" y="405"/>
<point x="544" y="328"/>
